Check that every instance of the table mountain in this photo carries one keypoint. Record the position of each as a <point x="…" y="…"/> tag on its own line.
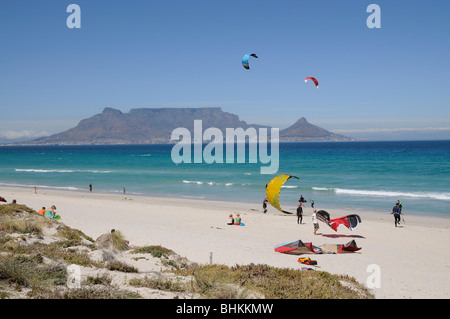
<point x="155" y="125"/>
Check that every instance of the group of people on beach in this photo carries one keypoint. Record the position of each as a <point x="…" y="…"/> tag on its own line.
<point x="299" y="212"/>
<point x="234" y="221"/>
<point x="300" y="208"/>
<point x="396" y="211"/>
<point x="303" y="200"/>
<point x="50" y="212"/>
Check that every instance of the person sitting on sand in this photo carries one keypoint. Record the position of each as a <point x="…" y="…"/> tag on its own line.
<point x="230" y="220"/>
<point x="42" y="211"/>
<point x="51" y="212"/>
<point x="237" y="221"/>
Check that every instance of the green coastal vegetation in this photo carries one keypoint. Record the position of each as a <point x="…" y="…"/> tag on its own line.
<point x="35" y="252"/>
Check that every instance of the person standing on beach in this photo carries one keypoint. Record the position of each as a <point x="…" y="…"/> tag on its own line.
<point x="315" y="221"/>
<point x="397" y="212"/>
<point x="299" y="214"/>
<point x="265" y="205"/>
<point x="399" y="203"/>
<point x="90" y="187"/>
<point x="312" y="203"/>
<point x="302" y="199"/>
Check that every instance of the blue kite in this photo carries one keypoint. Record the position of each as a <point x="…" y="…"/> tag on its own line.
<point x="245" y="59"/>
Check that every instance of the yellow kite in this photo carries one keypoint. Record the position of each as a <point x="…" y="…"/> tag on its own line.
<point x="273" y="191"/>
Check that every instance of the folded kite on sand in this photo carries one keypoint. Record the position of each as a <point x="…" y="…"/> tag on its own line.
<point x="350" y="221"/>
<point x="2" y="199"/>
<point x="298" y="247"/>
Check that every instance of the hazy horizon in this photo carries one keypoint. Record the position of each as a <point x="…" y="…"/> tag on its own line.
<point x="399" y="134"/>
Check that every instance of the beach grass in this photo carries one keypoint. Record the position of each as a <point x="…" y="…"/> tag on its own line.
<point x="121" y="266"/>
<point x="156" y="251"/>
<point x="118" y="241"/>
<point x="159" y="283"/>
<point x="73" y="235"/>
<point x="257" y="282"/>
<point x="263" y="281"/>
<point x="20" y="219"/>
<point x="30" y="271"/>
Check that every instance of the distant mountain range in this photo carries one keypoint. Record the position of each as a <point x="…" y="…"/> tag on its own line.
<point x="155" y="125"/>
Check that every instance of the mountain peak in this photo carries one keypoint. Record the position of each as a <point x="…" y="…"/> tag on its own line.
<point x="302" y="120"/>
<point x="302" y="130"/>
<point x="110" y="110"/>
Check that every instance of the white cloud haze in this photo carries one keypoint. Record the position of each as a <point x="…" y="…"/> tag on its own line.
<point x="21" y="135"/>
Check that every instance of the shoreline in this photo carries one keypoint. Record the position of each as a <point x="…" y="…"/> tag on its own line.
<point x="118" y="192"/>
<point x="413" y="258"/>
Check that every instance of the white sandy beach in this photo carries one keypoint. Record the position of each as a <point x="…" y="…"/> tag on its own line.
<point x="413" y="259"/>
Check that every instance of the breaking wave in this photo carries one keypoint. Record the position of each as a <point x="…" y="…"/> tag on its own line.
<point x="192" y="182"/>
<point x="384" y="193"/>
<point x="32" y="170"/>
<point x="213" y="183"/>
<point x="70" y="188"/>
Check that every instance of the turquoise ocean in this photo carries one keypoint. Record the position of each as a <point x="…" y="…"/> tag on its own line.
<point x="360" y="176"/>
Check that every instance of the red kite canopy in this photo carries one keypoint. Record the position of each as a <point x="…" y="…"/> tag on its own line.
<point x="314" y="80"/>
<point x="349" y="221"/>
<point x="295" y="248"/>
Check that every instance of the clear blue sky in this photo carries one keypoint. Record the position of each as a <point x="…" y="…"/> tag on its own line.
<point x="177" y="53"/>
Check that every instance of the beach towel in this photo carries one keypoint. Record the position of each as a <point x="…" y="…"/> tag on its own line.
<point x="49" y="214"/>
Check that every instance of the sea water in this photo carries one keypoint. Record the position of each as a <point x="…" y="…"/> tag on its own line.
<point x="360" y="176"/>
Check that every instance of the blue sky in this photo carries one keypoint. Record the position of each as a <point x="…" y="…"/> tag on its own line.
<point x="387" y="83"/>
